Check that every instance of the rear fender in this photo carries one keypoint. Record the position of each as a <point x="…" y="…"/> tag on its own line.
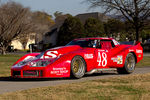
<point x="136" y="50"/>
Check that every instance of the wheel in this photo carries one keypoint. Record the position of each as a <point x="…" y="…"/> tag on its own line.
<point x="129" y="65"/>
<point x="78" y="67"/>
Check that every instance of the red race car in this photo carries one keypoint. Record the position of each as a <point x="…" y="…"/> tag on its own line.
<point x="79" y="57"/>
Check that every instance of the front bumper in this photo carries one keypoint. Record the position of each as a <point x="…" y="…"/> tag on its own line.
<point x="40" y="72"/>
<point x="27" y="74"/>
<point x="54" y="70"/>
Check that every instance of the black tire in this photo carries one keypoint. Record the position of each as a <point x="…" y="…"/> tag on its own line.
<point x="129" y="65"/>
<point x="78" y="67"/>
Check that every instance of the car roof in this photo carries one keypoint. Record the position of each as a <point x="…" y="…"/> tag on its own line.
<point x="93" y="38"/>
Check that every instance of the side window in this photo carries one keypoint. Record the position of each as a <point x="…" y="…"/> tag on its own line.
<point x="98" y="45"/>
<point x="115" y="42"/>
<point x="105" y="44"/>
<point x="112" y="43"/>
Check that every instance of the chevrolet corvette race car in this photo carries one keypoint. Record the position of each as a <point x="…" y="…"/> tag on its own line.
<point x="79" y="57"/>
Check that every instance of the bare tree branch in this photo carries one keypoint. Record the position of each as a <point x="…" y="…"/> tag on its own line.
<point x="14" y="21"/>
<point x="135" y="11"/>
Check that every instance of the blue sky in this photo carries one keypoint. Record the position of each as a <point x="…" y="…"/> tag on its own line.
<point x="73" y="7"/>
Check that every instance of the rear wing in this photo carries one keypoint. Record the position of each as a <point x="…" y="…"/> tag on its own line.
<point x="137" y="43"/>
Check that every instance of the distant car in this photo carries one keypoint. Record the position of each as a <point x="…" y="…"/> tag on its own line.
<point x="79" y="57"/>
<point x="146" y="46"/>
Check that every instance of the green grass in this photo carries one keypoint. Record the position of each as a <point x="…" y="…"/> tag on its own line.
<point x="144" y="62"/>
<point x="6" y="61"/>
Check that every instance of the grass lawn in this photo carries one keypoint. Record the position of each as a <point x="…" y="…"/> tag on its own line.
<point x="7" y="61"/>
<point x="133" y="87"/>
<point x="144" y="62"/>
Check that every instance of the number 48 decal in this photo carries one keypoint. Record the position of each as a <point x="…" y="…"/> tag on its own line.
<point x="102" y="59"/>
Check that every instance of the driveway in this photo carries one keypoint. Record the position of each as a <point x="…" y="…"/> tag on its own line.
<point x="10" y="85"/>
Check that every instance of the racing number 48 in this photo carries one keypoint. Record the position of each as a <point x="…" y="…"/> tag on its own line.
<point x="102" y="59"/>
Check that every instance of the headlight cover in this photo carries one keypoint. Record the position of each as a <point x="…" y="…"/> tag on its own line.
<point x="39" y="63"/>
<point x="20" y="64"/>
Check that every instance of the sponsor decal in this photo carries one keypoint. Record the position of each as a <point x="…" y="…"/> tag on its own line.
<point x="88" y="56"/>
<point x="138" y="51"/>
<point x="59" y="71"/>
<point x="51" y="54"/>
<point x="139" y="55"/>
<point x="103" y="50"/>
<point x="118" y="59"/>
<point x="130" y="50"/>
<point x="114" y="59"/>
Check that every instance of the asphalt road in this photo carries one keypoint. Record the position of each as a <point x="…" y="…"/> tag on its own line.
<point x="10" y="85"/>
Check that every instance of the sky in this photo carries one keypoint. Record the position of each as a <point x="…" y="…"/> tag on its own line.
<point x="72" y="7"/>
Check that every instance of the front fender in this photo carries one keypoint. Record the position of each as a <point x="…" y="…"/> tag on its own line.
<point x="61" y="67"/>
<point x="27" y="56"/>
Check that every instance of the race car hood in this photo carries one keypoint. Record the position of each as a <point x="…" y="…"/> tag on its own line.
<point x="50" y="54"/>
<point x="55" y="52"/>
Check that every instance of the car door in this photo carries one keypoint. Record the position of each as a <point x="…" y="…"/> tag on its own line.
<point x="102" y="53"/>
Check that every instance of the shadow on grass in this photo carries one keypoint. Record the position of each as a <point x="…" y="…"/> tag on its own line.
<point x="53" y="79"/>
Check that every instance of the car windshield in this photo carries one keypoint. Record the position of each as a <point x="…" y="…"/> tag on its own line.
<point x="82" y="43"/>
<point x="40" y="55"/>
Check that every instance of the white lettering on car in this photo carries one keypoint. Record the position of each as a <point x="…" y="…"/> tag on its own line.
<point x="118" y="59"/>
<point x="59" y="71"/>
<point x="131" y="50"/>
<point x="51" y="54"/>
<point x="102" y="59"/>
<point x="88" y="56"/>
<point x="138" y="51"/>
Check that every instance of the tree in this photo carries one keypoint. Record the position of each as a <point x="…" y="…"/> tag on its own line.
<point x="57" y="14"/>
<point x="146" y="31"/>
<point x="93" y="28"/>
<point x="23" y="39"/>
<point x="113" y="26"/>
<point x="71" y="28"/>
<point x="135" y="11"/>
<point x="14" y="20"/>
<point x="42" y="22"/>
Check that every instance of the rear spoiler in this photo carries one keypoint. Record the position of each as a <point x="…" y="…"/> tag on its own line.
<point x="137" y="43"/>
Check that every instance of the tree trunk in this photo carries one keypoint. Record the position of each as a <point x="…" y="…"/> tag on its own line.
<point x="137" y="34"/>
<point x="3" y="52"/>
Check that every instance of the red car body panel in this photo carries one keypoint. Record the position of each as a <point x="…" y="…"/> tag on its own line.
<point x="60" y="59"/>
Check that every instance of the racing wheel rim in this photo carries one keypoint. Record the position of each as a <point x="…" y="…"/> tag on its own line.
<point x="130" y="62"/>
<point x="78" y="67"/>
